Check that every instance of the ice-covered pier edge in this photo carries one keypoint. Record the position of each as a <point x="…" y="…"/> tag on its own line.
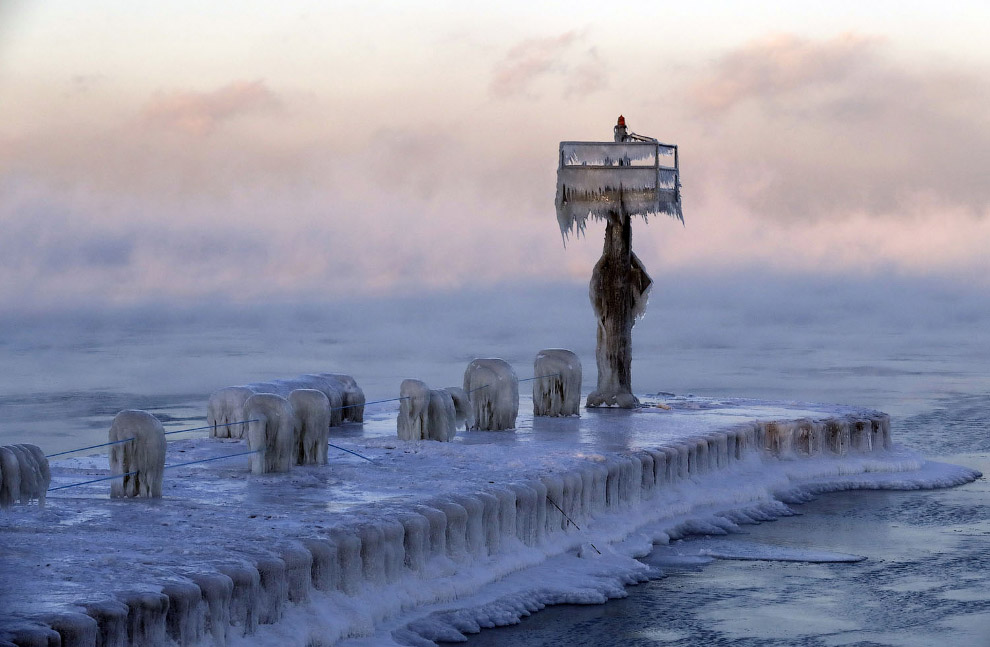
<point x="438" y="539"/>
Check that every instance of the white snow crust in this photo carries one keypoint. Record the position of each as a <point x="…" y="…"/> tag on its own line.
<point x="431" y="540"/>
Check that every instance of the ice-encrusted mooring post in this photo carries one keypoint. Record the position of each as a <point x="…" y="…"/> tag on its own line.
<point x="613" y="181"/>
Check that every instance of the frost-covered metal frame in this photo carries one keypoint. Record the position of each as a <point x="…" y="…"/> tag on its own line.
<point x="596" y="178"/>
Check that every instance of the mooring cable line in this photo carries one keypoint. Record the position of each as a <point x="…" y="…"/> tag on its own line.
<point x="539" y="377"/>
<point x="525" y="379"/>
<point x="370" y="460"/>
<point x="82" y="449"/>
<point x="104" y="478"/>
<point x="120" y="476"/>
<point x="351" y="406"/>
<point x="127" y="440"/>
<point x="213" y="458"/>
<point x="225" y="424"/>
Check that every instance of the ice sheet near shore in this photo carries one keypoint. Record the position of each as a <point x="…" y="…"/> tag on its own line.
<point x="432" y="540"/>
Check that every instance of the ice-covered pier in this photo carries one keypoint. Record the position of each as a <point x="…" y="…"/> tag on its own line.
<point x="428" y="540"/>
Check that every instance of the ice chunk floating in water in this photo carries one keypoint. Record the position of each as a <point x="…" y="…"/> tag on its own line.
<point x="719" y="548"/>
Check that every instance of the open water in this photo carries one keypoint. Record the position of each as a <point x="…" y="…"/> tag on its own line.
<point x="921" y="352"/>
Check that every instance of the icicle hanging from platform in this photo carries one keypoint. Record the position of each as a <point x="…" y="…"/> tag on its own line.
<point x="593" y="178"/>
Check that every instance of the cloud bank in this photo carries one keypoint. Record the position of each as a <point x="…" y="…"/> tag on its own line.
<point x="828" y="156"/>
<point x="824" y="130"/>
<point x="565" y="58"/>
<point x="200" y="113"/>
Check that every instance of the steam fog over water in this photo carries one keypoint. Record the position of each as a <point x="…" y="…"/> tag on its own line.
<point x="892" y="345"/>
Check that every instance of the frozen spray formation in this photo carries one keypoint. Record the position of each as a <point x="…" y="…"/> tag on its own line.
<point x="225" y="408"/>
<point x="24" y="475"/>
<point x="442" y="423"/>
<point x="593" y="178"/>
<point x="425" y="413"/>
<point x="138" y="455"/>
<point x="271" y="432"/>
<point x="463" y="410"/>
<point x="557" y="387"/>
<point x="414" y="409"/>
<point x="312" y="426"/>
<point x="431" y="544"/>
<point x="494" y="391"/>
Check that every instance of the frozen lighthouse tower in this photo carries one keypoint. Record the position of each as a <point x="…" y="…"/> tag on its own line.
<point x="613" y="181"/>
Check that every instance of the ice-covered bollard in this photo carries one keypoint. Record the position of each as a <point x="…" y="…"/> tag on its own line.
<point x="353" y="396"/>
<point x="24" y="475"/>
<point x="414" y="405"/>
<point x="312" y="427"/>
<point x="140" y="459"/>
<point x="463" y="411"/>
<point x="271" y="433"/>
<point x="441" y="417"/>
<point x="557" y="389"/>
<point x="424" y="413"/>
<point x="494" y="390"/>
<point x="225" y="412"/>
<point x="334" y="391"/>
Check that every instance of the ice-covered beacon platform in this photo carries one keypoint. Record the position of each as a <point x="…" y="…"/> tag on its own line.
<point x="417" y="541"/>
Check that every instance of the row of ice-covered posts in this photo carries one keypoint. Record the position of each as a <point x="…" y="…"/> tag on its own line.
<point x="287" y="421"/>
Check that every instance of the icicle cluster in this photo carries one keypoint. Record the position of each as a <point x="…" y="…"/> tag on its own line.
<point x="271" y="432"/>
<point x="430" y="414"/>
<point x="595" y="179"/>
<point x="557" y="392"/>
<point x="24" y="475"/>
<point x="139" y="454"/>
<point x="494" y="390"/>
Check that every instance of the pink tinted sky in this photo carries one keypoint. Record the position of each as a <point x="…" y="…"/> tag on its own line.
<point x="325" y="149"/>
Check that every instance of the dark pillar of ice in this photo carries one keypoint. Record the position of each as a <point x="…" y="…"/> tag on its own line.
<point x="619" y="284"/>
